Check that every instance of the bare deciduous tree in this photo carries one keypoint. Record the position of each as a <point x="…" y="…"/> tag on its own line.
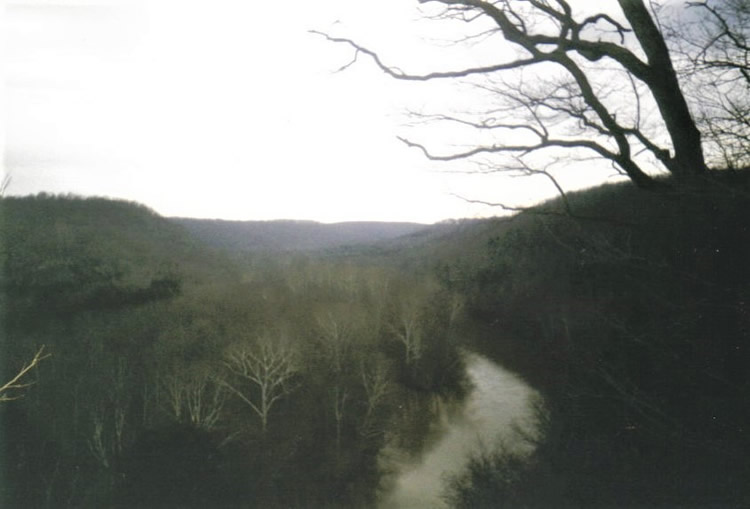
<point x="99" y="444"/>
<point x="263" y="374"/>
<point x="407" y="328"/>
<point x="195" y="394"/>
<point x="713" y="49"/>
<point x="581" y="82"/>
<point x="377" y="385"/>
<point x="109" y="416"/>
<point x="335" y="337"/>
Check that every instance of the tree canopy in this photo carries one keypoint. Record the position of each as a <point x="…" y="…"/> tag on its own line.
<point x="582" y="81"/>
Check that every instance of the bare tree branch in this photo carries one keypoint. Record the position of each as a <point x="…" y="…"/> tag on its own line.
<point x="5" y="184"/>
<point x="7" y="391"/>
<point x="399" y="74"/>
<point x="269" y="367"/>
<point x="575" y="113"/>
<point x="523" y="149"/>
<point x="715" y="57"/>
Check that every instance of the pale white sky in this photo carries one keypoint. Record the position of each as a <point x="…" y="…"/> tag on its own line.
<point x="231" y="109"/>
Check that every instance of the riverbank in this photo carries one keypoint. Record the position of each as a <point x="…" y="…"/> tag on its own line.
<point x="498" y="403"/>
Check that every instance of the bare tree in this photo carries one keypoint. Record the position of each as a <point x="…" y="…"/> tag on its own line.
<point x="195" y="394"/>
<point x="109" y="416"/>
<point x="339" y="397"/>
<point x="335" y="337"/>
<point x="100" y="444"/>
<point x="263" y="374"/>
<point x="13" y="388"/>
<point x="377" y="385"/>
<point x="593" y="78"/>
<point x="722" y="38"/>
<point x="338" y="325"/>
<point x="407" y="328"/>
<point x="713" y="49"/>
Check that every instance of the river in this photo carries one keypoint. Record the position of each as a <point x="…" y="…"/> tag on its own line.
<point x="496" y="401"/>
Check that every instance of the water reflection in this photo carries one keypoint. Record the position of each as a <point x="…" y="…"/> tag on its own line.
<point x="497" y="400"/>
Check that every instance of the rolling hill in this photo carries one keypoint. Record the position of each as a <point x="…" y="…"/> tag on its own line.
<point x="290" y="235"/>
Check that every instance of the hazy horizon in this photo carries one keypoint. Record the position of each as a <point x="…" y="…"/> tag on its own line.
<point x="235" y="111"/>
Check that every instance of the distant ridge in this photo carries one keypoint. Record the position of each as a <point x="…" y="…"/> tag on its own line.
<point x="293" y="235"/>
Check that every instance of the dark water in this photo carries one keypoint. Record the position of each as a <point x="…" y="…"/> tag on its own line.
<point x="497" y="401"/>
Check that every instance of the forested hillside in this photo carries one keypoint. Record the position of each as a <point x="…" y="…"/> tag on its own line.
<point x="179" y="378"/>
<point x="64" y="252"/>
<point x="148" y="362"/>
<point x="629" y="312"/>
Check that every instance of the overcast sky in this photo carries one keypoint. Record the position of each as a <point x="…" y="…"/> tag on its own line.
<point x="231" y="109"/>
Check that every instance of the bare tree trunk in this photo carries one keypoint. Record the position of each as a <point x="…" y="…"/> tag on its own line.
<point x="376" y="386"/>
<point x="340" y="396"/>
<point x="688" y="158"/>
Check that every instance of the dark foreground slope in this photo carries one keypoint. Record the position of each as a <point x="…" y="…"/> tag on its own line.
<point x="632" y="317"/>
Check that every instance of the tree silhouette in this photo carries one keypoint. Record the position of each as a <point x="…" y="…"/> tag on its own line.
<point x="263" y="374"/>
<point x="713" y="60"/>
<point x="597" y="79"/>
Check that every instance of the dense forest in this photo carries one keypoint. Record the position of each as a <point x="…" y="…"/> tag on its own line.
<point x="152" y="362"/>
<point x="185" y="376"/>
<point x="182" y="375"/>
